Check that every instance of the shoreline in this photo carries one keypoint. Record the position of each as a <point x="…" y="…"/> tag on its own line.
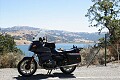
<point x="25" y="42"/>
<point x="22" y="42"/>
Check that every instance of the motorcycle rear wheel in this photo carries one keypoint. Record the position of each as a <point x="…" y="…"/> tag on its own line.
<point x="68" y="69"/>
<point x="27" y="68"/>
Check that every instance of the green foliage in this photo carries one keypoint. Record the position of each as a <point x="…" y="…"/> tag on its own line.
<point x="17" y="37"/>
<point x="7" y="43"/>
<point x="115" y="31"/>
<point x="101" y="42"/>
<point x="10" y="55"/>
<point x="105" y="14"/>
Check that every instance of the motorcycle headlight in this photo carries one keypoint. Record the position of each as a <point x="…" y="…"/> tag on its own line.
<point x="34" y="46"/>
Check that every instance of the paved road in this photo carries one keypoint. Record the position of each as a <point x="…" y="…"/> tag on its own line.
<point x="111" y="72"/>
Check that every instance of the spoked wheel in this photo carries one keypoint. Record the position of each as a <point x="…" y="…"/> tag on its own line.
<point x="26" y="67"/>
<point x="68" y="69"/>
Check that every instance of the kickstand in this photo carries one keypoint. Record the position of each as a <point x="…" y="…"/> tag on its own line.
<point x="49" y="72"/>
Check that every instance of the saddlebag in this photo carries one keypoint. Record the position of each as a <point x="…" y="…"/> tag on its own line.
<point x="73" y="58"/>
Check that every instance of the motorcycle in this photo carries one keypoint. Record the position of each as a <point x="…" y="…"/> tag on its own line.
<point x="49" y="58"/>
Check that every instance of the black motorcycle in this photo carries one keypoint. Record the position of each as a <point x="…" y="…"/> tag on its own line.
<point x="49" y="58"/>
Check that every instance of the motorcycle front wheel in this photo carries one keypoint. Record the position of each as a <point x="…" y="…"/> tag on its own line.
<point x="68" y="69"/>
<point x="26" y="67"/>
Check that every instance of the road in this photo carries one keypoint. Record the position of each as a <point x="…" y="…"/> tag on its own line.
<point x="110" y="72"/>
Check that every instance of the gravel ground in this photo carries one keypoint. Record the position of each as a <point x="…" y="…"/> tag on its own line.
<point x="110" y="72"/>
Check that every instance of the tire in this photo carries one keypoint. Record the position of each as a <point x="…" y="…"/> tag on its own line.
<point x="27" y="68"/>
<point x="68" y="69"/>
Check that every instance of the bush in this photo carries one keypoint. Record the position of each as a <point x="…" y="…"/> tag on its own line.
<point x="10" y="60"/>
<point x="10" y="55"/>
<point x="87" y="55"/>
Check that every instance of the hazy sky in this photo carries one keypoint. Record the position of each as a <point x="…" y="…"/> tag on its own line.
<point x="66" y="15"/>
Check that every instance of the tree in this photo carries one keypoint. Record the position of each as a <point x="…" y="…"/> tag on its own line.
<point x="10" y="55"/>
<point x="7" y="44"/>
<point x="115" y="32"/>
<point x="106" y="14"/>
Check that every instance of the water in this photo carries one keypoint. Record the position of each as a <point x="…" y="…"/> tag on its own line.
<point x="65" y="46"/>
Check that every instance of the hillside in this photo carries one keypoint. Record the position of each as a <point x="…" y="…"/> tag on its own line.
<point x="25" y="34"/>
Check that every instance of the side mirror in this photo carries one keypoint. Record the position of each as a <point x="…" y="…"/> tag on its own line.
<point x="33" y="37"/>
<point x="40" y="39"/>
<point x="43" y="38"/>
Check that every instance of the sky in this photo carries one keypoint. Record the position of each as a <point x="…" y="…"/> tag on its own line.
<point x="68" y="15"/>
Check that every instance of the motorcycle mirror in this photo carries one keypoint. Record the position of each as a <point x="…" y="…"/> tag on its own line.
<point x="73" y="46"/>
<point x="33" y="37"/>
<point x="43" y="38"/>
<point x="76" y="46"/>
<point x="40" y="39"/>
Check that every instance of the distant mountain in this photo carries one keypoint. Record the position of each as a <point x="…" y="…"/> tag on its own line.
<point x="76" y="36"/>
<point x="18" y="28"/>
<point x="27" y="33"/>
<point x="91" y="36"/>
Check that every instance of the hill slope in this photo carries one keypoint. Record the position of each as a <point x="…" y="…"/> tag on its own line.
<point x="27" y="33"/>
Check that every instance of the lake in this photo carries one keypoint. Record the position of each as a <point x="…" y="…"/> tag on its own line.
<point x="65" y="46"/>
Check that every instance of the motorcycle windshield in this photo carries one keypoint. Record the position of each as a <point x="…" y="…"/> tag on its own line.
<point x="40" y="34"/>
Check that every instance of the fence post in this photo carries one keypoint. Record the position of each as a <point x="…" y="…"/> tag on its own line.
<point x="118" y="53"/>
<point x="105" y="47"/>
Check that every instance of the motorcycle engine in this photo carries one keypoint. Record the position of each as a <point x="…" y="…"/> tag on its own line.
<point x="49" y="64"/>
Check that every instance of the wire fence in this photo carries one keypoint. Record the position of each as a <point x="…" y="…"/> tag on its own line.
<point x="111" y="51"/>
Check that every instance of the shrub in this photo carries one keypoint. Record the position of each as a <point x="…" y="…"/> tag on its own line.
<point x="10" y="55"/>
<point x="88" y="53"/>
<point x="10" y="60"/>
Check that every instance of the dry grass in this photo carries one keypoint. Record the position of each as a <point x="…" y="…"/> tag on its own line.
<point x="22" y="42"/>
<point x="89" y="53"/>
<point x="10" y="60"/>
